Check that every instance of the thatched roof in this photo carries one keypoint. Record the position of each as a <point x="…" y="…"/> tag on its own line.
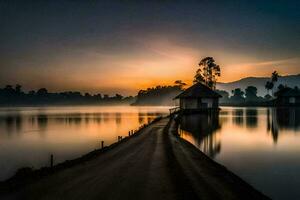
<point x="198" y="90"/>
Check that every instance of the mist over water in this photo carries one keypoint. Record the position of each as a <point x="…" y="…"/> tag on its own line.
<point x="29" y="135"/>
<point x="261" y="145"/>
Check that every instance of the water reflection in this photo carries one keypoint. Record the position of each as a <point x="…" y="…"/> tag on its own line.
<point x="200" y="129"/>
<point x="238" y="116"/>
<point x="29" y="135"/>
<point x="282" y="119"/>
<point x="262" y="145"/>
<point x="118" y="118"/>
<point x="251" y="118"/>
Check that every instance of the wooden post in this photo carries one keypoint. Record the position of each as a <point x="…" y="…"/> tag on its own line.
<point x="102" y="144"/>
<point x="51" y="160"/>
<point x="129" y="133"/>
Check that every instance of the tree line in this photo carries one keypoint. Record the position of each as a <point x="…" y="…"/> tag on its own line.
<point x="238" y="96"/>
<point x="159" y="95"/>
<point x="250" y="94"/>
<point x="10" y="95"/>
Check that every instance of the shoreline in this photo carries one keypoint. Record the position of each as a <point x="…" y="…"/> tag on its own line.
<point x="26" y="175"/>
<point x="183" y="174"/>
<point x="221" y="169"/>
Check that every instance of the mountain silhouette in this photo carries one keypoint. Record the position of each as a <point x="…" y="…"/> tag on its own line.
<point x="259" y="83"/>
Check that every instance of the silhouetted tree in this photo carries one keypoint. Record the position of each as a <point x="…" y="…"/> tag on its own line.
<point x="224" y="94"/>
<point x="269" y="86"/>
<point x="98" y="96"/>
<point x="282" y="89"/>
<point x="238" y="95"/>
<point x="8" y="87"/>
<point x="274" y="76"/>
<point x="238" y="92"/>
<point x="267" y="97"/>
<point x="87" y="95"/>
<point x="179" y="83"/>
<point x="15" y="96"/>
<point x="18" y="89"/>
<point x="251" y="93"/>
<point x="42" y="92"/>
<point x="274" y="79"/>
<point x="198" y="78"/>
<point x="159" y="95"/>
<point x="31" y="92"/>
<point x="105" y="97"/>
<point x="208" y="72"/>
<point x="118" y="96"/>
<point x="9" y="90"/>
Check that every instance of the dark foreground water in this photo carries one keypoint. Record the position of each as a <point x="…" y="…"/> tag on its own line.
<point x="29" y="135"/>
<point x="261" y="145"/>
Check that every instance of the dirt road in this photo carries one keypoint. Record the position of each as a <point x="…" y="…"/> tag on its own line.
<point x="153" y="165"/>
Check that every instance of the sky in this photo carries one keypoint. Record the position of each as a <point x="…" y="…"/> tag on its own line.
<point x="122" y="46"/>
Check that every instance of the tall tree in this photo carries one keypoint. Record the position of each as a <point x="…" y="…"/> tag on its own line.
<point x="238" y="92"/>
<point x="237" y="95"/>
<point x="274" y="76"/>
<point x="269" y="86"/>
<point x="274" y="79"/>
<point x="208" y="72"/>
<point x="251" y="93"/>
<point x="18" y="89"/>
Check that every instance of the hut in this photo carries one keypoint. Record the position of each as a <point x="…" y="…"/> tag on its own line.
<point x="290" y="97"/>
<point x="198" y="97"/>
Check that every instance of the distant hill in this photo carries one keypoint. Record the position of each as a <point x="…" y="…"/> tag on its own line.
<point x="159" y="95"/>
<point x="259" y="82"/>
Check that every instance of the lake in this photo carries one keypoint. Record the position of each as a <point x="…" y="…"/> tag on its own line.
<point x="29" y="135"/>
<point x="261" y="145"/>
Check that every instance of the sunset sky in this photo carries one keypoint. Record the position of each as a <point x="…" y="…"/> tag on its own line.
<point x="126" y="45"/>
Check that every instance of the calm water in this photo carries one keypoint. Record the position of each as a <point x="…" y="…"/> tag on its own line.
<point x="28" y="136"/>
<point x="260" y="145"/>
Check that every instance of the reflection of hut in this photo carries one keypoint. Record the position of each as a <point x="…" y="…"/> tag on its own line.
<point x="289" y="98"/>
<point x="197" y="98"/>
<point x="200" y="129"/>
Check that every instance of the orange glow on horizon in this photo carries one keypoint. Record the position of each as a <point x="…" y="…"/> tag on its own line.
<point x="161" y="63"/>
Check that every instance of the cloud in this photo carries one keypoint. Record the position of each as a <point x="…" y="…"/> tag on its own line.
<point x="295" y="60"/>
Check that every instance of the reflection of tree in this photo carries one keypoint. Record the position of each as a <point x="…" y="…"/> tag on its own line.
<point x="141" y="117"/>
<point x="251" y="118"/>
<point x="105" y="117"/>
<point x="87" y="117"/>
<point x="12" y="123"/>
<point x="42" y="121"/>
<point x="18" y="120"/>
<point x="288" y="118"/>
<point x="202" y="128"/>
<point x="282" y="118"/>
<point x="118" y="118"/>
<point x="9" y="121"/>
<point x="97" y="118"/>
<point x="238" y="116"/>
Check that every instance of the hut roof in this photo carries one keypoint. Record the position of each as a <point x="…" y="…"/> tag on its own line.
<point x="198" y="90"/>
